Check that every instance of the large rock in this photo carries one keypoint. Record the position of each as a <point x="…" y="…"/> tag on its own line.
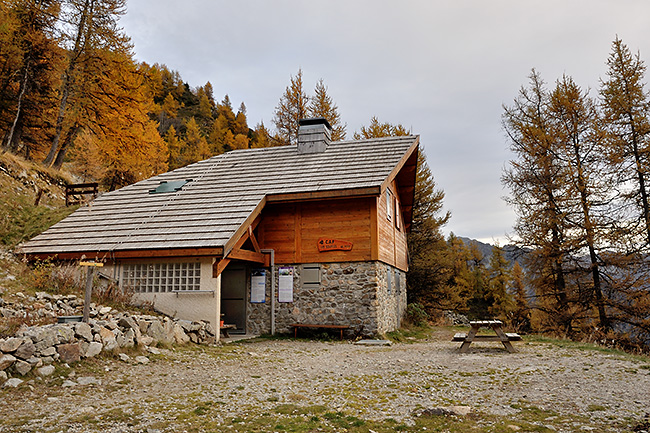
<point x="22" y="367"/>
<point x="6" y="361"/>
<point x="108" y="338"/>
<point x="161" y="333"/>
<point x="84" y="331"/>
<point x="179" y="335"/>
<point x="70" y="352"/>
<point x="64" y="334"/>
<point x="13" y="383"/>
<point x="94" y="348"/>
<point x="43" y="337"/>
<point x="26" y="350"/>
<point x="48" y="370"/>
<point x="10" y="345"/>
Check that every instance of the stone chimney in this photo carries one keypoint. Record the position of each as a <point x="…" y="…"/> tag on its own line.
<point x="313" y="135"/>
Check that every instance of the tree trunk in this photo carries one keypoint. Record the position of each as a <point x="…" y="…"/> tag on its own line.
<point x="23" y="87"/>
<point x="67" y="84"/>
<point x="69" y="139"/>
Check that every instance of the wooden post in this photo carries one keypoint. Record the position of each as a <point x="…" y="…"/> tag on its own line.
<point x="89" y="286"/>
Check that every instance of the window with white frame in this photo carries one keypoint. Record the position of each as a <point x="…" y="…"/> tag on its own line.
<point x="161" y="277"/>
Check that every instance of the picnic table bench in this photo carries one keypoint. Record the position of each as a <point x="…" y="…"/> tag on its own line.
<point x="311" y="325"/>
<point x="504" y="337"/>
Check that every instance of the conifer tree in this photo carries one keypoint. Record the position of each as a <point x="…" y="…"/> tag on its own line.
<point x="378" y="129"/>
<point x="539" y="195"/>
<point x="626" y="107"/>
<point x="97" y="45"/>
<point x="322" y="105"/>
<point x="520" y="315"/>
<point x="500" y="300"/>
<point x="293" y="106"/>
<point x="29" y="57"/>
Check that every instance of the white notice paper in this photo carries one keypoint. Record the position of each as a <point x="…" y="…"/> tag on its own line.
<point x="258" y="286"/>
<point x="285" y="286"/>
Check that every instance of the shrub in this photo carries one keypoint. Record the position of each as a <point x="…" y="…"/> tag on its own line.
<point x="416" y="314"/>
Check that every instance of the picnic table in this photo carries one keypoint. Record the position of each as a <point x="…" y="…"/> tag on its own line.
<point x="495" y="325"/>
<point x="225" y="328"/>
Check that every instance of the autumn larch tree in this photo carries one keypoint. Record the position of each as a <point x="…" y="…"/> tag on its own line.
<point x="540" y="196"/>
<point x="95" y="42"/>
<point x="30" y="59"/>
<point x="322" y="105"/>
<point x="626" y="107"/>
<point x="293" y="106"/>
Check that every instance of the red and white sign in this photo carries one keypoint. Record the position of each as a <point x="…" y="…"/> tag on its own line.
<point x="327" y="244"/>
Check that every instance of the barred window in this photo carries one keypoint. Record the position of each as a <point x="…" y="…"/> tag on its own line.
<point x="162" y="277"/>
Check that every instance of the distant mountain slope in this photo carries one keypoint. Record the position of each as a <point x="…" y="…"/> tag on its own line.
<point x="512" y="252"/>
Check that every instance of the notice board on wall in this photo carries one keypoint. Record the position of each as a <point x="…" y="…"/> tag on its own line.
<point x="285" y="284"/>
<point x="258" y="286"/>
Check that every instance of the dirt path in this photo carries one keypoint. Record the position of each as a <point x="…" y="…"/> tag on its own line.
<point x="573" y="389"/>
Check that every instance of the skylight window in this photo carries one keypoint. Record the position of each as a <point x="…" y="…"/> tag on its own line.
<point x="169" y="186"/>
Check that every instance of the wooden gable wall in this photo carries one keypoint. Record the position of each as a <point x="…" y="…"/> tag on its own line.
<point x="392" y="232"/>
<point x="293" y="230"/>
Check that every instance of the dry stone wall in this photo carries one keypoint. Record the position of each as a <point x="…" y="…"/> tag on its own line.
<point x="38" y="347"/>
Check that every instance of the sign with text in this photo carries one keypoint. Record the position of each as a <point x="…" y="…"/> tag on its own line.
<point x="328" y="244"/>
<point x="258" y="286"/>
<point x="285" y="284"/>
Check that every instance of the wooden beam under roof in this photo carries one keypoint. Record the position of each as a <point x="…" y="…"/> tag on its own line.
<point x="318" y="195"/>
<point x="130" y="254"/>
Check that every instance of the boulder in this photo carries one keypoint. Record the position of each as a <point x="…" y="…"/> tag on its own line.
<point x="84" y="331"/>
<point x="43" y="337"/>
<point x="10" y="345"/>
<point x="50" y="351"/>
<point x="70" y="352"/>
<point x="180" y="337"/>
<point x="64" y="334"/>
<point x="6" y="361"/>
<point x="108" y="338"/>
<point x="142" y="360"/>
<point x="94" y="349"/>
<point x="48" y="370"/>
<point x="13" y="383"/>
<point x="35" y="362"/>
<point x="22" y="367"/>
<point x="88" y="380"/>
<point x="160" y="332"/>
<point x="26" y="349"/>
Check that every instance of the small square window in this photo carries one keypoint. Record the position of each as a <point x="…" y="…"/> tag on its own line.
<point x="310" y="275"/>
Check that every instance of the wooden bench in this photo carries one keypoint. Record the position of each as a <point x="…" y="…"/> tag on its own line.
<point x="224" y="330"/>
<point x="310" y="325"/>
<point x="75" y="192"/>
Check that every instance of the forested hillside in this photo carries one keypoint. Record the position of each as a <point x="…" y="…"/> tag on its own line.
<point x="71" y="92"/>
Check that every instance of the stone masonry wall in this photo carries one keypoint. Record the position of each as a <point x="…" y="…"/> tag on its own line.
<point x="353" y="294"/>
<point x="391" y="302"/>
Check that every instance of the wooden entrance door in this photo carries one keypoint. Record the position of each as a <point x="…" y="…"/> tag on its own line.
<point x="233" y="297"/>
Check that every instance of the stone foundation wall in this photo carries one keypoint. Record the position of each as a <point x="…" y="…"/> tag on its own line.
<point x="352" y="293"/>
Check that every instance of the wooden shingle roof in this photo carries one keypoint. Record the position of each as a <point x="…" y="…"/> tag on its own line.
<point x="224" y="192"/>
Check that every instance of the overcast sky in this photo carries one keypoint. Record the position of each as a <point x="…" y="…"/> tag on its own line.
<point x="441" y="68"/>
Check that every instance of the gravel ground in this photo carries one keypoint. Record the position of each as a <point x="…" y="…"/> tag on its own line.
<point x="369" y="382"/>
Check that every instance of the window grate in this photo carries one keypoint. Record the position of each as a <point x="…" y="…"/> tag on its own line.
<point x="162" y="277"/>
